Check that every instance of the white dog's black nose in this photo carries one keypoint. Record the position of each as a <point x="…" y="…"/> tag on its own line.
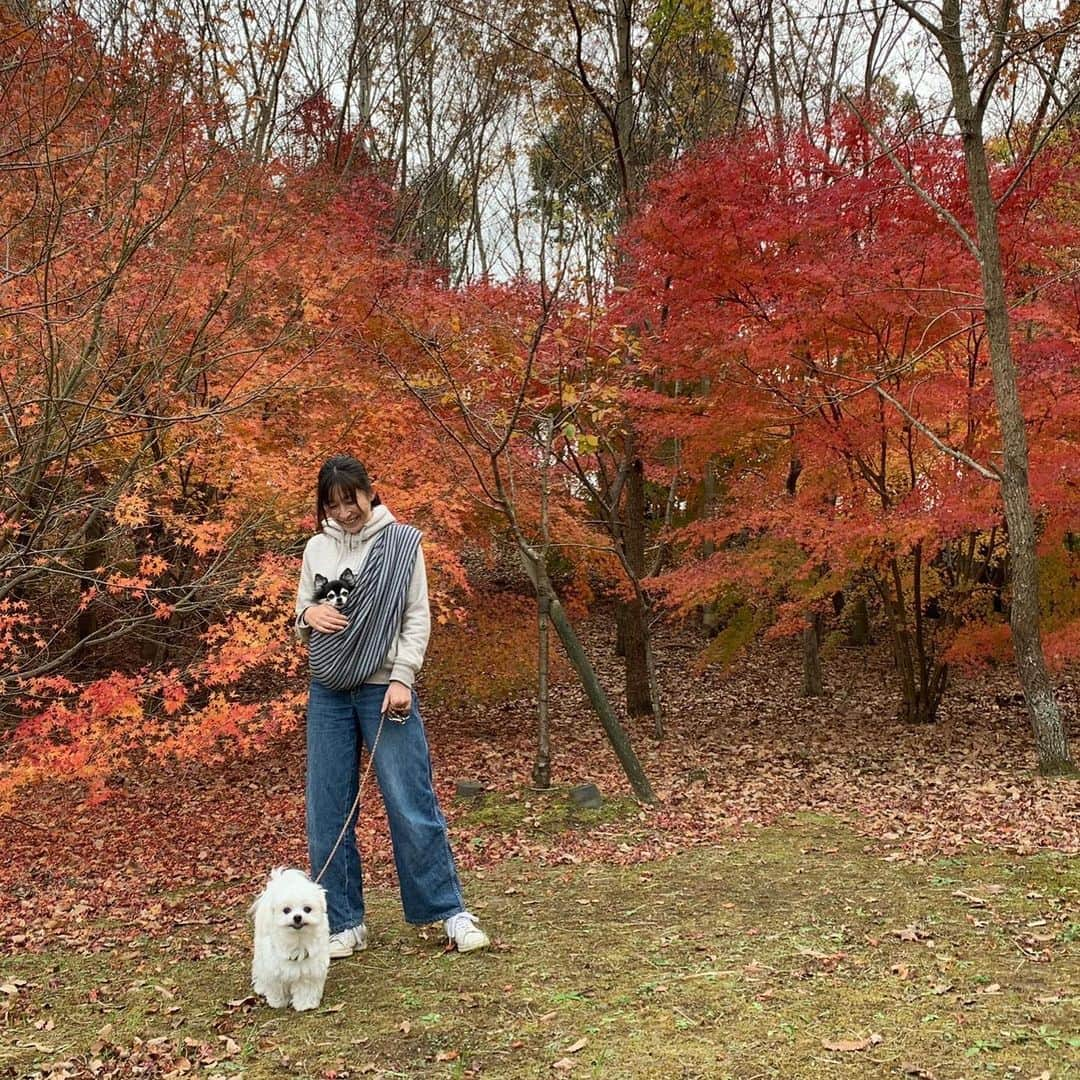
<point x="297" y="919"/>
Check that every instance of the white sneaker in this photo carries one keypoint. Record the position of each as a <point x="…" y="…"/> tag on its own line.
<point x="463" y="931"/>
<point x="346" y="942"/>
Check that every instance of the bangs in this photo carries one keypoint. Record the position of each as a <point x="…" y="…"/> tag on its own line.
<point x="342" y="491"/>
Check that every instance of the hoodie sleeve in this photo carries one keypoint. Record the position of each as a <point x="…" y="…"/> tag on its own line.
<point x="305" y="594"/>
<point x="415" y="626"/>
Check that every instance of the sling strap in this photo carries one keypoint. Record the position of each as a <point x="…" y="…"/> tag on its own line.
<point x="347" y="658"/>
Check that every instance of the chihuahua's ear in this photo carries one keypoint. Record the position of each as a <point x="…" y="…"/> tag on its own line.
<point x="320" y="581"/>
<point x="347" y="576"/>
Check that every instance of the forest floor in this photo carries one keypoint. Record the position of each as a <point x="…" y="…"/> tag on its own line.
<point x="821" y="892"/>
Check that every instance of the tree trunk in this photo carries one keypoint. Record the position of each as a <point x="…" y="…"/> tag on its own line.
<point x="1050" y="741"/>
<point x="633" y="614"/>
<point x="812" y="685"/>
<point x="922" y="676"/>
<point x="591" y="684"/>
<point x="859" y="626"/>
<point x="541" y="771"/>
<point x="626" y="149"/>
<point x="615" y="733"/>
<point x="620" y="630"/>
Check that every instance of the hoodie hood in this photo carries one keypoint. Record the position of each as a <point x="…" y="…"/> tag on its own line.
<point x="380" y="518"/>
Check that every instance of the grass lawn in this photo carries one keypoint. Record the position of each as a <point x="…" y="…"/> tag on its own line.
<point x="791" y="952"/>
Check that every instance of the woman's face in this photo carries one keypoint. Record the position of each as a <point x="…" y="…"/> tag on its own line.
<point x="350" y="511"/>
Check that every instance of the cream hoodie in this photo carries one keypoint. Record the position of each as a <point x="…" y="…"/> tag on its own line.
<point x="333" y="550"/>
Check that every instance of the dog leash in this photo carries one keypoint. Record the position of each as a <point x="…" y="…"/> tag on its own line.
<point x="356" y="802"/>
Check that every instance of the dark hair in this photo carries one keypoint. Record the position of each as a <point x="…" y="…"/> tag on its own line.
<point x="342" y="475"/>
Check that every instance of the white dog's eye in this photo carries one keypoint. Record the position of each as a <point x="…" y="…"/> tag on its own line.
<point x="307" y="911"/>
<point x="287" y="910"/>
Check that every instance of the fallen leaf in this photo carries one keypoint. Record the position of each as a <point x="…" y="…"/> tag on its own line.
<point x="579" y="1045"/>
<point x="564" y="1064"/>
<point x="971" y="898"/>
<point x="911" y="933"/>
<point x="848" y="1046"/>
<point x="448" y="1055"/>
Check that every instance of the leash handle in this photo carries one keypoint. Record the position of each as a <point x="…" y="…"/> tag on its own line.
<point x="356" y="802"/>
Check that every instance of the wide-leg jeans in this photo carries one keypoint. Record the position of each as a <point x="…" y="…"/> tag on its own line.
<point x="339" y="723"/>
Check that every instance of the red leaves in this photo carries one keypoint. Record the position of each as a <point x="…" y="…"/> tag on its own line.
<point x="781" y="288"/>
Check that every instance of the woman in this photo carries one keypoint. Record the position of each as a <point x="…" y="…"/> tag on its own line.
<point x="364" y="660"/>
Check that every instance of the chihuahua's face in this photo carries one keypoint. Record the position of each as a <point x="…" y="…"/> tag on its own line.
<point x="334" y="592"/>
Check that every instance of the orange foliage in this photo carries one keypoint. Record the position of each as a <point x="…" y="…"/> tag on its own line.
<point x="214" y="328"/>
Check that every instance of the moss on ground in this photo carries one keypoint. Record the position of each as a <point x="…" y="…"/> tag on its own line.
<point x="740" y="961"/>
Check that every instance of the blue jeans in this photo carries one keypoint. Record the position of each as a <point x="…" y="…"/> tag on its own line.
<point x="339" y="723"/>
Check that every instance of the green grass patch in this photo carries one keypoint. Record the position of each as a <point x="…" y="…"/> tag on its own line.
<point x="550" y="811"/>
<point x="792" y="954"/>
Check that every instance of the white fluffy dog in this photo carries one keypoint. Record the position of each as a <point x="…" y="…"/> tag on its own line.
<point x="292" y="941"/>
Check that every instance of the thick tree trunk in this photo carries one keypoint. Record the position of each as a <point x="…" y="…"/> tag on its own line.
<point x="633" y="616"/>
<point x="1050" y="741"/>
<point x="859" y="625"/>
<point x="620" y="630"/>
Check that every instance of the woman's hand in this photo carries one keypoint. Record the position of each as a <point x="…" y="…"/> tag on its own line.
<point x="325" y="618"/>
<point x="397" y="701"/>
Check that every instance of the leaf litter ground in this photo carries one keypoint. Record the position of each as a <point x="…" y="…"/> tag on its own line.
<point x="822" y="892"/>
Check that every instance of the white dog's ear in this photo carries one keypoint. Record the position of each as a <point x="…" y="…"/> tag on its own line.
<point x="264" y="896"/>
<point x="257" y="903"/>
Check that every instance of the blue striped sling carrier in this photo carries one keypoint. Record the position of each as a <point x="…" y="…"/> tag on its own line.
<point x="348" y="658"/>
